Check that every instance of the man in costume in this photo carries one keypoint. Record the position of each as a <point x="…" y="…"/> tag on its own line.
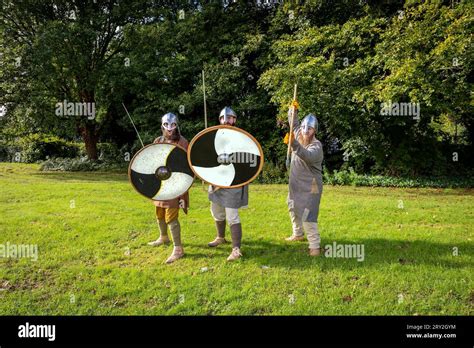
<point x="306" y="183"/>
<point x="167" y="211"/>
<point x="226" y="202"/>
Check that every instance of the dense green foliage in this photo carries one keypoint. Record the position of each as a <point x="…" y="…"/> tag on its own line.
<point x="81" y="165"/>
<point x="350" y="177"/>
<point x="37" y="147"/>
<point x="348" y="58"/>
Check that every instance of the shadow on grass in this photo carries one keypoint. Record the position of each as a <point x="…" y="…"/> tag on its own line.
<point x="430" y="191"/>
<point x="82" y="176"/>
<point x="377" y="252"/>
<point x="92" y="177"/>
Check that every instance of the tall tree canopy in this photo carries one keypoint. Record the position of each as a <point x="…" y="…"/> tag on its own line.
<point x="349" y="58"/>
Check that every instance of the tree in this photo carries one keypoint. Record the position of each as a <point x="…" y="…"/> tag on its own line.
<point x="346" y="71"/>
<point x="59" y="51"/>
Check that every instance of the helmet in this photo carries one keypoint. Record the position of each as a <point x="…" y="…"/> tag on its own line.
<point x="169" y="122"/>
<point x="227" y="112"/>
<point x="309" y="121"/>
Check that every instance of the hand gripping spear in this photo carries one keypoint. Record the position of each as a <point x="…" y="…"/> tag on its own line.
<point x="294" y="107"/>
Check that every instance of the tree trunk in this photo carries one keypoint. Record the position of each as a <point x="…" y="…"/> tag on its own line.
<point x="89" y="135"/>
<point x="88" y="129"/>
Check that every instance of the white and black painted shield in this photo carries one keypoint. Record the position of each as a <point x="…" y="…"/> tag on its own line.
<point x="225" y="156"/>
<point x="161" y="172"/>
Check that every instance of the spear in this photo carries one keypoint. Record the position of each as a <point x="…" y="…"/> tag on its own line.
<point x="204" y="95"/>
<point x="205" y="114"/>
<point x="292" y="117"/>
<point x="133" y="124"/>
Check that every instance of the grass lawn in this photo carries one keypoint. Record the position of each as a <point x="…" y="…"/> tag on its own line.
<point x="91" y="230"/>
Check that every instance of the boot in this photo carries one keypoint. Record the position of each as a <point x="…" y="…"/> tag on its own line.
<point x="163" y="239"/>
<point x="235" y="254"/>
<point x="294" y="238"/>
<point x="178" y="253"/>
<point x="160" y="241"/>
<point x="236" y="233"/>
<point x="220" y="227"/>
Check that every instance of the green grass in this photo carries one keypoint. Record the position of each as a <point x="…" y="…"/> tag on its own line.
<point x="83" y="267"/>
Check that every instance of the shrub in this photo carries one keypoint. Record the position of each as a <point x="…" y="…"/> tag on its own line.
<point x="81" y="165"/>
<point x="38" y="147"/>
<point x="350" y="177"/>
<point x="272" y="174"/>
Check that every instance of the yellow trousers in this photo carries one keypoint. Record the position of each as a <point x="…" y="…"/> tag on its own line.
<point x="167" y="214"/>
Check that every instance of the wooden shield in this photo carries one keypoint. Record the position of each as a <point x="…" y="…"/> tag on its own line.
<point x="161" y="172"/>
<point x="225" y="156"/>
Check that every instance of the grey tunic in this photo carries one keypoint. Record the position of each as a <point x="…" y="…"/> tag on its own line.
<point x="230" y="198"/>
<point x="306" y="181"/>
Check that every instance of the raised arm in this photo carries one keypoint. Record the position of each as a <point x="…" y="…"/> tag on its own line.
<point x="312" y="154"/>
<point x="296" y="122"/>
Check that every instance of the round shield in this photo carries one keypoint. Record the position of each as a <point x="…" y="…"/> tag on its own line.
<point x="225" y="156"/>
<point x="161" y="172"/>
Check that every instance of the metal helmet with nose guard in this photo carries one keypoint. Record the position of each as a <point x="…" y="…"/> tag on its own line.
<point x="169" y="122"/>
<point x="226" y="113"/>
<point x="310" y="120"/>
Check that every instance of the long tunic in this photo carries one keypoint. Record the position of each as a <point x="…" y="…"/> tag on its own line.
<point x="173" y="203"/>
<point x="306" y="180"/>
<point x="230" y="198"/>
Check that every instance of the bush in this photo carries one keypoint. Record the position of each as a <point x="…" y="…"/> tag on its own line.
<point x="38" y="147"/>
<point x="352" y="178"/>
<point x="272" y="174"/>
<point x="81" y="165"/>
<point x="4" y="153"/>
<point x="107" y="152"/>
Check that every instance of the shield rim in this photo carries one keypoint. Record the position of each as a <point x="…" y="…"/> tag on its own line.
<point x="222" y="126"/>
<point x="130" y="166"/>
